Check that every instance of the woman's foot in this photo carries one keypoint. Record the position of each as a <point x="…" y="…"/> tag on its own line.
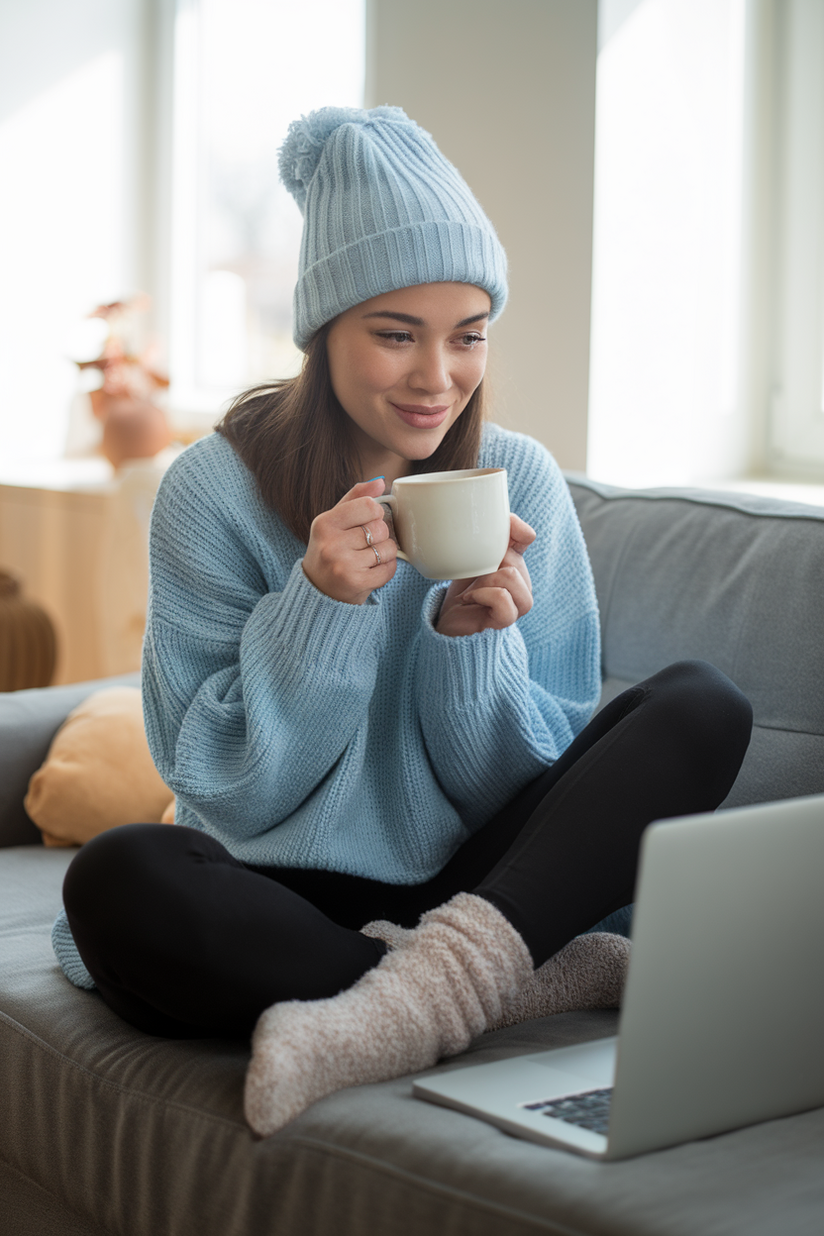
<point x="450" y="979"/>
<point x="588" y="973"/>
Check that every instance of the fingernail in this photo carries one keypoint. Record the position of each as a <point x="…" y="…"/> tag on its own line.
<point x="375" y="478"/>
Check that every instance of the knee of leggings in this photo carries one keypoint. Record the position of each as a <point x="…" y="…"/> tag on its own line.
<point x="102" y="871"/>
<point x="714" y="716"/>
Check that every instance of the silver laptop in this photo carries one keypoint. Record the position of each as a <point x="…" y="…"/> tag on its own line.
<point x="722" y="1023"/>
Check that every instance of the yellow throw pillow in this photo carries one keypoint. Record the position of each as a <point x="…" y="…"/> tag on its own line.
<point x="98" y="772"/>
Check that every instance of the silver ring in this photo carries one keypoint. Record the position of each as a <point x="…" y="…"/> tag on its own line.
<point x="368" y="535"/>
<point x="375" y="552"/>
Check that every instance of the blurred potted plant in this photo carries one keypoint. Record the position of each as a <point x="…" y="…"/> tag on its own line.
<point x="134" y="424"/>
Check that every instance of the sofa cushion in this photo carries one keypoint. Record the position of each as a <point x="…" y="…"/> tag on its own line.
<point x="98" y="773"/>
<point x="139" y="1135"/>
<point x="733" y="579"/>
<point x="28" y="723"/>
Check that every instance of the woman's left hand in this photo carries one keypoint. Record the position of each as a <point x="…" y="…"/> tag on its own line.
<point x="491" y="601"/>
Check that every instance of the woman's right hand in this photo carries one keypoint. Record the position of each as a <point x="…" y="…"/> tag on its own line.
<point x="492" y="601"/>
<point x="339" y="561"/>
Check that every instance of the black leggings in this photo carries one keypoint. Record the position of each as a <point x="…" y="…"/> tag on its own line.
<point x="183" y="940"/>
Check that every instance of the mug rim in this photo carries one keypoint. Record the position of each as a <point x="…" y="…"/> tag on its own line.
<point x="449" y="477"/>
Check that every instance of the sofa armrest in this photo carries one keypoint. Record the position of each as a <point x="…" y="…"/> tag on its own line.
<point x="28" y="722"/>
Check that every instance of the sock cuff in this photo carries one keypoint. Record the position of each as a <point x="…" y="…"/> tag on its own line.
<point x="484" y="939"/>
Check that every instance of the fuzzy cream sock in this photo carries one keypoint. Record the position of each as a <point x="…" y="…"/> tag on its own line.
<point x="448" y="980"/>
<point x="588" y="973"/>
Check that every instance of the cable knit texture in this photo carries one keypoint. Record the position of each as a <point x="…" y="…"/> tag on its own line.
<point x="303" y="732"/>
<point x="450" y="979"/>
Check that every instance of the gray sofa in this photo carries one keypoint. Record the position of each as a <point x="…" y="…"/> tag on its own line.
<point x="104" y="1130"/>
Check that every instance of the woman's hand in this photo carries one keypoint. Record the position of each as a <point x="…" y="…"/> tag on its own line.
<point x="491" y="601"/>
<point x="339" y="560"/>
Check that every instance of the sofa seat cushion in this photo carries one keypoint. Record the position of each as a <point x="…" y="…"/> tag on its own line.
<point x="138" y="1135"/>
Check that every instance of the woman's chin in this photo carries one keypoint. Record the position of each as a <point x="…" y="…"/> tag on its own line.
<point x="421" y="445"/>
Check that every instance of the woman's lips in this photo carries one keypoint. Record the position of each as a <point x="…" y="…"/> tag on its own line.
<point x="421" y="416"/>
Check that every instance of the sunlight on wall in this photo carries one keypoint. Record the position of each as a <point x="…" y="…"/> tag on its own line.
<point x="665" y="316"/>
<point x="61" y="245"/>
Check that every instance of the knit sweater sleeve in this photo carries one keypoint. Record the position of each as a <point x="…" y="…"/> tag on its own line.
<point x="252" y="686"/>
<point x="497" y="708"/>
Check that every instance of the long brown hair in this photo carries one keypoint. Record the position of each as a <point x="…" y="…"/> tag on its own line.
<point x="293" y="436"/>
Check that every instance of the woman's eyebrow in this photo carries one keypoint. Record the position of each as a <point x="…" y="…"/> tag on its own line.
<point x="397" y="317"/>
<point x="408" y="319"/>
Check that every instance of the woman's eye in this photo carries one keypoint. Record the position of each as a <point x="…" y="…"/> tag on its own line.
<point x="469" y="341"/>
<point x="395" y="336"/>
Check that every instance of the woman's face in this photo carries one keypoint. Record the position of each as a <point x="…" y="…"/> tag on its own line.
<point x="404" y="366"/>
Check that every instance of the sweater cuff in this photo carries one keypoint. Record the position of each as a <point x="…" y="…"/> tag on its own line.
<point x="469" y="669"/>
<point x="317" y="630"/>
<point x="67" y="955"/>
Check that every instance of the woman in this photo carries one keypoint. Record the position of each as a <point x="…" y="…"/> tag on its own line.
<point x="346" y="741"/>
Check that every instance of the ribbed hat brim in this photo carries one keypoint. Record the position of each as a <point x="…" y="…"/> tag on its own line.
<point x="441" y="252"/>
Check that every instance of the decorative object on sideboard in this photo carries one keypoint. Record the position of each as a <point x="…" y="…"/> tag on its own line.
<point x="28" y="646"/>
<point x="134" y="423"/>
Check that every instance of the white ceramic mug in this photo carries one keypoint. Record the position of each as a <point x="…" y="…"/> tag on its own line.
<point x="451" y="525"/>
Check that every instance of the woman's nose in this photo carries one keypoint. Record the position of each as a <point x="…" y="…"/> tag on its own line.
<point x="430" y="372"/>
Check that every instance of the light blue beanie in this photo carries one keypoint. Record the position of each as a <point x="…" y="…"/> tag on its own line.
<point x="383" y="209"/>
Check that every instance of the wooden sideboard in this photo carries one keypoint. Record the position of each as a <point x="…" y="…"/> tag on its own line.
<point x="76" y="534"/>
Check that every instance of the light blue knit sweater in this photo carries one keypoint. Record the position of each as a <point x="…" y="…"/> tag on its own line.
<point x="304" y="732"/>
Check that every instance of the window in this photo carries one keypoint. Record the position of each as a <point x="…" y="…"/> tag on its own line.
<point x="667" y="244"/>
<point x="708" y="289"/>
<point x="139" y="152"/>
<point x="794" y="150"/>
<point x="66" y="210"/>
<point x="244" y="69"/>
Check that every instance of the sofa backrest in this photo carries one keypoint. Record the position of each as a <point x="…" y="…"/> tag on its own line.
<point x="727" y="578"/>
<point x="731" y="579"/>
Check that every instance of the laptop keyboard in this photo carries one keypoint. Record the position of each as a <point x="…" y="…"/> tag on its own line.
<point x="590" y="1110"/>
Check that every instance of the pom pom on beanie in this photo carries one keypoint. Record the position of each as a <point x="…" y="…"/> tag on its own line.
<point x="300" y="153"/>
<point x="383" y="209"/>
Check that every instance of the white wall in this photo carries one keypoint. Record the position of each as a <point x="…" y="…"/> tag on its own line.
<point x="508" y="92"/>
